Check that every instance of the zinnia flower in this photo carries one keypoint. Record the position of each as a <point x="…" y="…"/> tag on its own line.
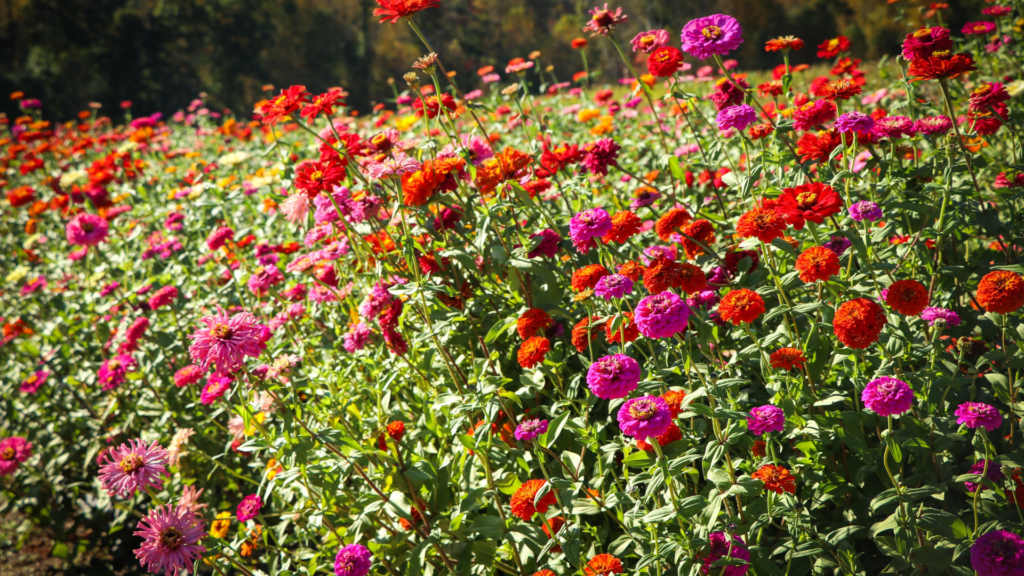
<point x="249" y="507"/>
<point x="908" y="297"/>
<point x="613" y="286"/>
<point x="817" y="263"/>
<point x="87" y="230"/>
<point x="530" y="429"/>
<point x="163" y="297"/>
<point x="887" y="396"/>
<point x="132" y="467"/>
<point x="814" y="201"/>
<point x="188" y="375"/>
<point x="1001" y="292"/>
<point x="998" y="553"/>
<point x="644" y="417"/>
<point x="32" y="384"/>
<point x="602" y="565"/>
<point x="854" y="122"/>
<point x="649" y="41"/>
<point x="925" y="42"/>
<point x="600" y="155"/>
<point x="975" y="414"/>
<point x="216" y="386"/>
<point x="532" y="351"/>
<point x="761" y="223"/>
<point x="603" y="21"/>
<point x="665" y="61"/>
<point x="865" y="210"/>
<point x="858" y="323"/>
<point x="225" y="342"/>
<point x="13" y="451"/>
<point x="673" y="434"/>
<point x="738" y="117"/>
<point x="523" y="506"/>
<point x="787" y="359"/>
<point x="832" y="47"/>
<point x="940" y="65"/>
<point x="813" y="114"/>
<point x="741" y="306"/>
<point x="935" y="315"/>
<point x="613" y="376"/>
<point x="219" y="237"/>
<point x="586" y="226"/>
<point x="933" y="125"/>
<point x="764" y="419"/>
<point x="170" y="539"/>
<point x="392" y="10"/>
<point x="353" y="560"/>
<point x="662" y="315"/>
<point x="716" y="34"/>
<point x="113" y="371"/>
<point x="995" y="474"/>
<point x="775" y="478"/>
<point x="722" y="547"/>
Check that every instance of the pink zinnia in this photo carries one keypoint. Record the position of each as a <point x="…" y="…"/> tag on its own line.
<point x="613" y="376"/>
<point x="249" y="507"/>
<point x="887" y="396"/>
<point x="649" y="41"/>
<point x="933" y="125"/>
<point x="530" y="429"/>
<point x="188" y="375"/>
<point x="170" y="539"/>
<point x="163" y="297"/>
<point x="263" y="278"/>
<point x="87" y="230"/>
<point x="216" y="386"/>
<point x="600" y="155"/>
<point x="662" y="315"/>
<point x="32" y="384"/>
<point x="13" y="451"/>
<point x="710" y="35"/>
<point x="893" y="127"/>
<point x="586" y="226"/>
<point x="765" y="419"/>
<point x="356" y="338"/>
<point x="645" y="417"/>
<point x="132" y="467"/>
<point x="548" y="245"/>
<point x="225" y="342"/>
<point x="353" y="560"/>
<point x="219" y="237"/>
<point x="721" y="547"/>
<point x="975" y="414"/>
<point x="113" y="371"/>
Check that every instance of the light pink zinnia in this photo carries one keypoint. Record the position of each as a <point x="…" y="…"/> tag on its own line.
<point x="225" y="342"/>
<point x="171" y="536"/>
<point x="133" y="467"/>
<point x="87" y="230"/>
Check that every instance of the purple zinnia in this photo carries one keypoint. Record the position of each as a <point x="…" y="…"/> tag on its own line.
<point x="113" y="371"/>
<point x="357" y="337"/>
<point x="887" y="396"/>
<point x="932" y="315"/>
<point x="715" y="34"/>
<point x="661" y="315"/>
<point x="249" y="507"/>
<point x="645" y="417"/>
<point x="998" y="553"/>
<point x="586" y="226"/>
<point x="613" y="286"/>
<point x="132" y="467"/>
<point x="170" y="539"/>
<point x="613" y="376"/>
<point x="855" y="122"/>
<point x="87" y="230"/>
<point x="995" y="474"/>
<point x="530" y="429"/>
<point x="163" y="297"/>
<point x="225" y="341"/>
<point x="865" y="210"/>
<point x="32" y="384"/>
<point x="975" y="414"/>
<point x="548" y="245"/>
<point x="721" y="547"/>
<point x="767" y="418"/>
<point x="13" y="451"/>
<point x="738" y="117"/>
<point x="353" y="560"/>
<point x="838" y="244"/>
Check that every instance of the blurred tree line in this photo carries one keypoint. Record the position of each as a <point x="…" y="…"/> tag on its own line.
<point x="161" y="53"/>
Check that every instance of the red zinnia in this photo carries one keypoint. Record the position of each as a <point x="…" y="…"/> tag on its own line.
<point x="532" y="351"/>
<point x="761" y="223"/>
<point x="814" y="202"/>
<point x="690" y="278"/>
<point x="776" y="478"/>
<point x="625" y="330"/>
<point x="671" y="435"/>
<point x="522" y="500"/>
<point x="841" y="89"/>
<point x="783" y="43"/>
<point x="396" y="430"/>
<point x="1001" y="292"/>
<point x="817" y="147"/>
<point x="556" y="524"/>
<point x="858" y="323"/>
<point x="817" y="263"/>
<point x="940" y="65"/>
<point x="531" y="322"/>
<point x="661" y="275"/>
<point x="584" y="331"/>
<point x="741" y="306"/>
<point x="832" y="48"/>
<point x="433" y="105"/>
<point x="392" y="10"/>
<point x="787" y="359"/>
<point x="908" y="297"/>
<point x="312" y="178"/>
<point x="665" y="61"/>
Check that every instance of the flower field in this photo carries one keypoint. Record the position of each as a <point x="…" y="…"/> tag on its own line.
<point x="686" y="322"/>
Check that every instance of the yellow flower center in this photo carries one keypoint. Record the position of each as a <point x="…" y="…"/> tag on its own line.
<point x="171" y="538"/>
<point x="712" y="32"/>
<point x="642" y="409"/>
<point x="221" y="331"/>
<point x="131" y="463"/>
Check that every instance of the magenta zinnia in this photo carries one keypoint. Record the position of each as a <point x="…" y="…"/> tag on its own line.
<point x="133" y="466"/>
<point x="170" y="539"/>
<point x="226" y="341"/>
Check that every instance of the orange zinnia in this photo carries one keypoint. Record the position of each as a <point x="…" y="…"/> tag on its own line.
<point x="761" y="223"/>
<point x="624" y="225"/>
<point x="787" y="359"/>
<point x="940" y="65"/>
<point x="741" y="306"/>
<point x="531" y="322"/>
<point x="625" y="330"/>
<point x="501" y="168"/>
<point x="700" y="230"/>
<point x="673" y="219"/>
<point x="858" y="323"/>
<point x="584" y="331"/>
<point x="603" y="565"/>
<point x="522" y="500"/>
<point x="691" y="279"/>
<point x="674" y="399"/>
<point x="783" y="43"/>
<point x="776" y="478"/>
<point x="532" y="352"/>
<point x="1001" y="292"/>
<point x="841" y="89"/>
<point x="908" y="297"/>
<point x="817" y="263"/>
<point x="588" y="276"/>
